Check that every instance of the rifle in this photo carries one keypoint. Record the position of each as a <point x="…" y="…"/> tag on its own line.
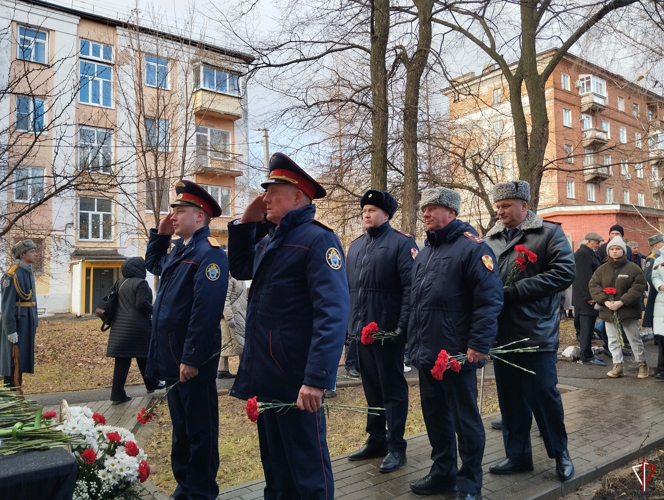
<point x="16" y="375"/>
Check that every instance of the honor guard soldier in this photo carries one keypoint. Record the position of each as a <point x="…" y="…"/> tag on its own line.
<point x="379" y="265"/>
<point x="530" y="312"/>
<point x="186" y="334"/>
<point x="295" y="328"/>
<point x="19" y="315"/>
<point x="455" y="301"/>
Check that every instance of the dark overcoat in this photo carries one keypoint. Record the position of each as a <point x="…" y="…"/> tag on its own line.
<point x="586" y="263"/>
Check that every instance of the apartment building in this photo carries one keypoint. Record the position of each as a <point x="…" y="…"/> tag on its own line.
<point x="120" y="113"/>
<point x="605" y="156"/>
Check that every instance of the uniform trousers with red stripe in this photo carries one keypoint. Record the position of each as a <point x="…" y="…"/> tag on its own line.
<point x="194" y="408"/>
<point x="295" y="457"/>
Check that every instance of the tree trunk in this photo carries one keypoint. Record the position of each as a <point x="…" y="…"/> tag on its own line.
<point x="380" y="30"/>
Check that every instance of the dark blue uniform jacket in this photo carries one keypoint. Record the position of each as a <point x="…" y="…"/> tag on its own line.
<point x="187" y="313"/>
<point x="379" y="267"/>
<point x="455" y="298"/>
<point x="298" y="306"/>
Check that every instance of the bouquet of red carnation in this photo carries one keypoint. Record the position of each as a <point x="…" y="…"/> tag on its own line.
<point x="612" y="292"/>
<point x="524" y="256"/>
<point x="371" y="333"/>
<point x="254" y="408"/>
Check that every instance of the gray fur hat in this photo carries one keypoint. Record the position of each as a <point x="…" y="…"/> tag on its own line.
<point x="653" y="240"/>
<point x="441" y="196"/>
<point x="21" y="247"/>
<point x="519" y="190"/>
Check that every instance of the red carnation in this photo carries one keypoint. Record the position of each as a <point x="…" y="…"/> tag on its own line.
<point x="89" y="456"/>
<point x="113" y="436"/>
<point x="532" y="256"/>
<point x="520" y="248"/>
<point x="143" y="471"/>
<point x="143" y="417"/>
<point x="610" y="291"/>
<point x="131" y="449"/>
<point x="252" y="409"/>
<point x="49" y="414"/>
<point x="443" y="356"/>
<point x="371" y="327"/>
<point x="437" y="371"/>
<point x="454" y="365"/>
<point x="99" y="418"/>
<point x="367" y="337"/>
<point x="520" y="261"/>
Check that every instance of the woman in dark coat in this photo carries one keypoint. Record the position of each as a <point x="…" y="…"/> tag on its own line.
<point x="131" y="328"/>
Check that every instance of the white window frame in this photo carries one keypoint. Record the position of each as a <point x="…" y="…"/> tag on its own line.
<point x="84" y="43"/>
<point x="623" y="135"/>
<point x="621" y="103"/>
<point x="33" y="41"/>
<point x="29" y="180"/>
<point x="157" y="63"/>
<point x="626" y="197"/>
<point x="635" y="109"/>
<point x="637" y="140"/>
<point x="150" y="187"/>
<point x="569" y="153"/>
<point x="609" y="195"/>
<point x="565" y="81"/>
<point x="33" y="121"/>
<point x="96" y="77"/>
<point x="570" y="190"/>
<point x="205" y="147"/>
<point x="99" y="154"/>
<point x="592" y="84"/>
<point x="590" y="191"/>
<point x="624" y="167"/>
<point x="588" y="156"/>
<point x="103" y="216"/>
<point x="497" y="96"/>
<point x="161" y="142"/>
<point x="654" y="172"/>
<point x="586" y="122"/>
<point x="499" y="163"/>
<point x="498" y="129"/>
<point x="655" y="201"/>
<point x="567" y="117"/>
<point x="641" y="199"/>
<point x="220" y="76"/>
<point x="216" y="193"/>
<point x="606" y="127"/>
<point x="639" y="170"/>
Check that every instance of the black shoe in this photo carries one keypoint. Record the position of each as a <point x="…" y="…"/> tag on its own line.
<point x="125" y="400"/>
<point x="161" y="385"/>
<point x="353" y="372"/>
<point x="593" y="361"/>
<point x="660" y="376"/>
<point x="511" y="465"/>
<point x="430" y="485"/>
<point x="225" y="374"/>
<point x="462" y="495"/>
<point x="564" y="466"/>
<point x="368" y="451"/>
<point x="607" y="353"/>
<point x="497" y="423"/>
<point x="627" y="352"/>
<point x="394" y="460"/>
<point x="329" y="394"/>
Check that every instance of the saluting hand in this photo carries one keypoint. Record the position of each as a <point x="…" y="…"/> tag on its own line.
<point x="310" y="398"/>
<point x="255" y="211"/>
<point x="187" y="372"/>
<point x="166" y="225"/>
<point x="474" y="356"/>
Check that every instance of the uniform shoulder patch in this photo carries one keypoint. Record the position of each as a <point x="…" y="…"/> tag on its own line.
<point x="401" y="232"/>
<point x="213" y="242"/>
<point x="6" y="281"/>
<point x="322" y="225"/>
<point x="212" y="272"/>
<point x="414" y="252"/>
<point x="487" y="261"/>
<point x="473" y="237"/>
<point x="333" y="258"/>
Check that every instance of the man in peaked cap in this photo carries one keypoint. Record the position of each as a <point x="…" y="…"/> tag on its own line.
<point x="295" y="329"/>
<point x="186" y="334"/>
<point x="530" y="312"/>
<point x="379" y="268"/>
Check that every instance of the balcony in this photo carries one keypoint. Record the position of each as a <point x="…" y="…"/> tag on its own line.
<point x="596" y="172"/>
<point x="206" y="164"/>
<point x="594" y="137"/>
<point x="593" y="103"/>
<point x="657" y="124"/>
<point x="657" y="185"/>
<point x="215" y="103"/>
<point x="657" y="156"/>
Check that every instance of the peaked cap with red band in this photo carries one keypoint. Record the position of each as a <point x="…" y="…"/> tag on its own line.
<point x="191" y="194"/>
<point x="283" y="170"/>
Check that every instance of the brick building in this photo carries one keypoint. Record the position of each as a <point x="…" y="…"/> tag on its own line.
<point x="605" y="156"/>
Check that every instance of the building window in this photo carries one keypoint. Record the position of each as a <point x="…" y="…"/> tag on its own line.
<point x="624" y="167"/>
<point x="31" y="45"/>
<point x="656" y="140"/>
<point x="28" y="184"/>
<point x="95" y="220"/>
<point x="635" y="109"/>
<point x="591" y="191"/>
<point x="156" y="72"/>
<point x="151" y="196"/>
<point x="157" y="135"/>
<point x="606" y="127"/>
<point x="569" y="153"/>
<point x="586" y="122"/>
<point x="639" y="170"/>
<point x="641" y="200"/>
<point x="655" y="173"/>
<point x="623" y="135"/>
<point x="590" y="83"/>
<point x="637" y="140"/>
<point x="655" y="202"/>
<point x="222" y="195"/>
<point x="499" y="163"/>
<point x="567" y="117"/>
<point x="95" y="84"/>
<point x="96" y="50"/>
<point x="621" y="104"/>
<point x="212" y="143"/>
<point x="217" y="80"/>
<point x="570" y="189"/>
<point x="609" y="195"/>
<point x="497" y="96"/>
<point x="95" y="149"/>
<point x="497" y="129"/>
<point x="589" y="156"/>
<point x="626" y="197"/>
<point x="29" y="114"/>
<point x="607" y="163"/>
<point x="565" y="81"/>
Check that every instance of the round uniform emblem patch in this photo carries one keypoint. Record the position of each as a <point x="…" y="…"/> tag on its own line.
<point x="488" y="262"/>
<point x="212" y="272"/>
<point x="333" y="258"/>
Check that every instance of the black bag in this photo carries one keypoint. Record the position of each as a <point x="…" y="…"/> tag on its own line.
<point x="107" y="306"/>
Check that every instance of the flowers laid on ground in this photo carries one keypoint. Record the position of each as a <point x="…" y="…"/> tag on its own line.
<point x="371" y="333"/>
<point x="254" y="408"/>
<point x="612" y="292"/>
<point x="454" y="363"/>
<point x="522" y="259"/>
<point x="110" y="462"/>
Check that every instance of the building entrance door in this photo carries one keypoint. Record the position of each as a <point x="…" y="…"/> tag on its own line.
<point x="102" y="281"/>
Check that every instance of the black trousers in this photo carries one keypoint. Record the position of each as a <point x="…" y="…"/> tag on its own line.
<point x="120" y="372"/>
<point x="351" y="356"/>
<point x="659" y="342"/>
<point x="194" y="408"/>
<point x="522" y="395"/>
<point x="294" y="454"/>
<point x="449" y="406"/>
<point x="586" y="326"/>
<point x="385" y="387"/>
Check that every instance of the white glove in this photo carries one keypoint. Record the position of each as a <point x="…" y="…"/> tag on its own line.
<point x="13" y="338"/>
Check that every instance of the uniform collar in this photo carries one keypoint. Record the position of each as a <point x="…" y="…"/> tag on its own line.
<point x="374" y="232"/>
<point x="296" y="217"/>
<point x="24" y="265"/>
<point x="435" y="238"/>
<point x="200" y="234"/>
